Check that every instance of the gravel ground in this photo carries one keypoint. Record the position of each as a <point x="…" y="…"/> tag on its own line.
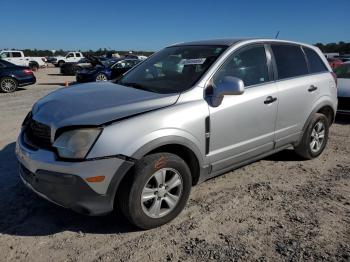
<point x="280" y="208"/>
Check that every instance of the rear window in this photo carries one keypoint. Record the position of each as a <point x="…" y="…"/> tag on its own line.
<point x="343" y="71"/>
<point x="316" y="64"/>
<point x="290" y="61"/>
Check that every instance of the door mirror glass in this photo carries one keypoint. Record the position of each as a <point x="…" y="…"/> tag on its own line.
<point x="229" y="85"/>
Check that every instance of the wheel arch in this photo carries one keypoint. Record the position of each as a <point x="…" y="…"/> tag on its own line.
<point x="325" y="107"/>
<point x="179" y="146"/>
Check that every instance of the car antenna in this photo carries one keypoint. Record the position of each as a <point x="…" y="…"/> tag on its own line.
<point x="278" y="32"/>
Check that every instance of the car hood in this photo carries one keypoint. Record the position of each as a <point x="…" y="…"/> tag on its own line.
<point x="96" y="104"/>
<point x="343" y="87"/>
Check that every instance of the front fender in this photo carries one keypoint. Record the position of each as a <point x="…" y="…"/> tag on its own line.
<point x="109" y="145"/>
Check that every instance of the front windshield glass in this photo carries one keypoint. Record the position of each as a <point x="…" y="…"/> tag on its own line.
<point x="173" y="69"/>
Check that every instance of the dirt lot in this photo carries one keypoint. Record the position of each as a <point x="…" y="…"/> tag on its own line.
<point x="280" y="208"/>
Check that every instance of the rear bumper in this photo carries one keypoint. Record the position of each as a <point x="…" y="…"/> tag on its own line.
<point x="67" y="71"/>
<point x="85" y="78"/>
<point x="27" y="80"/>
<point x="64" y="182"/>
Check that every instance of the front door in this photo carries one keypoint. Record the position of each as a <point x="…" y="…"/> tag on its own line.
<point x="243" y="126"/>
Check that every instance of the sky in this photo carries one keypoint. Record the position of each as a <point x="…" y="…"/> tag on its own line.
<point x="151" y="25"/>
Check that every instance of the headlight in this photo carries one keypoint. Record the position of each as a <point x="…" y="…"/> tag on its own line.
<point x="76" y="143"/>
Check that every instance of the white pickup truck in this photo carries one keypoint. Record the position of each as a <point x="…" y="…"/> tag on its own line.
<point x="18" y="58"/>
<point x="70" y="57"/>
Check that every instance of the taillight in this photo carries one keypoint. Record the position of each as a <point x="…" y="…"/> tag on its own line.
<point x="335" y="79"/>
<point x="27" y="72"/>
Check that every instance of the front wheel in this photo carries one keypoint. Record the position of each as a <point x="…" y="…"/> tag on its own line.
<point x="315" y="137"/>
<point x="157" y="191"/>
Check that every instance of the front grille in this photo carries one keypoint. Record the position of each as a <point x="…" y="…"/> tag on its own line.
<point x="343" y="103"/>
<point x="37" y="133"/>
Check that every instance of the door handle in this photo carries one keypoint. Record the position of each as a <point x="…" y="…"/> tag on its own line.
<point x="270" y="100"/>
<point x="312" y="88"/>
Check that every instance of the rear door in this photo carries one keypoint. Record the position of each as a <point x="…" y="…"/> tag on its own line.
<point x="298" y="90"/>
<point x="243" y="126"/>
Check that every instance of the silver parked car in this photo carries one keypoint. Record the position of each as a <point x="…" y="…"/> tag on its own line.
<point x="190" y="112"/>
<point x="343" y="74"/>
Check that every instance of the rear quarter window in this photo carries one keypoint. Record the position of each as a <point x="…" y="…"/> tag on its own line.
<point x="290" y="60"/>
<point x="316" y="64"/>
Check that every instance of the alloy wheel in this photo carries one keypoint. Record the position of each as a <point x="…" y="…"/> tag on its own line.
<point x="101" y="77"/>
<point x="8" y="85"/>
<point x="161" y="193"/>
<point x="317" y="137"/>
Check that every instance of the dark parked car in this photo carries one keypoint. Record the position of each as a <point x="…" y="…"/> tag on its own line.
<point x="12" y="76"/>
<point x="106" y="71"/>
<point x="71" y="68"/>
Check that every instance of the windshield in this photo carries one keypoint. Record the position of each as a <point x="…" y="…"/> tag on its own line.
<point x="173" y="69"/>
<point x="343" y="71"/>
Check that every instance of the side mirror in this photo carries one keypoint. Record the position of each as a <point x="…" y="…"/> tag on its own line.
<point x="228" y="86"/>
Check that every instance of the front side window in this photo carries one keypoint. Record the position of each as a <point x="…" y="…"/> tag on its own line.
<point x="174" y="69"/>
<point x="70" y="55"/>
<point x="248" y="64"/>
<point x="343" y="71"/>
<point x="78" y="55"/>
<point x="316" y="64"/>
<point x="6" y="55"/>
<point x="290" y="60"/>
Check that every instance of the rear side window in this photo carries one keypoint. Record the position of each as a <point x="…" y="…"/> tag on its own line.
<point x="290" y="61"/>
<point x="248" y="64"/>
<point x="16" y="54"/>
<point x="316" y="64"/>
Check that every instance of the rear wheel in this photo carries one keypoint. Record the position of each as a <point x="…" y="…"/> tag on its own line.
<point x="101" y="77"/>
<point x="315" y="137"/>
<point x="8" y="84"/>
<point x="157" y="191"/>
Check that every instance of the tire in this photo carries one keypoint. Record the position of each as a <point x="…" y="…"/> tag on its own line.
<point x="317" y="130"/>
<point x="60" y="63"/>
<point x="8" y="85"/>
<point x="101" y="77"/>
<point x="144" y="214"/>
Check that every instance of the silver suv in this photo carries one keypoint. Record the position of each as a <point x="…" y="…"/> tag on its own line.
<point x="190" y="112"/>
